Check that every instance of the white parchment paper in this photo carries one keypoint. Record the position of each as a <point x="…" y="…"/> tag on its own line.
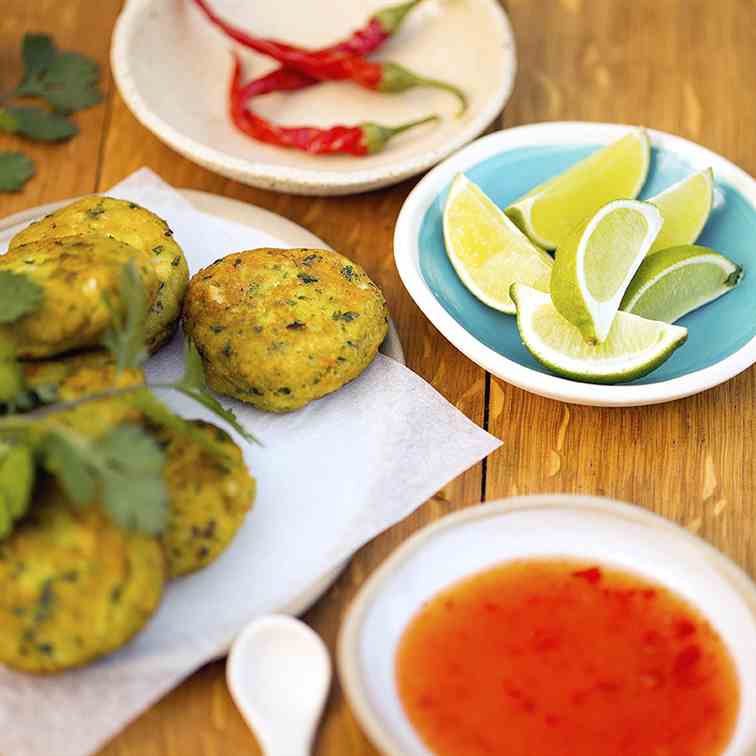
<point x="330" y="477"/>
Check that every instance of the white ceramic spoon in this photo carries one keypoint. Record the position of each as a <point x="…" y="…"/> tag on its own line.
<point x="279" y="672"/>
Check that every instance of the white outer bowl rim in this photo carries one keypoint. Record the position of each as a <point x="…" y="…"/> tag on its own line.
<point x="406" y="255"/>
<point x="349" y="634"/>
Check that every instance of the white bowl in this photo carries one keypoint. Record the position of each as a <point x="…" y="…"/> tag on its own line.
<point x="407" y="257"/>
<point x="583" y="527"/>
<point x="172" y="68"/>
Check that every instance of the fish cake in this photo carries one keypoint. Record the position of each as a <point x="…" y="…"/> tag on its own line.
<point x="137" y="226"/>
<point x="278" y="328"/>
<point x="75" y="274"/>
<point x="73" y="586"/>
<point x="77" y="376"/>
<point x="209" y="498"/>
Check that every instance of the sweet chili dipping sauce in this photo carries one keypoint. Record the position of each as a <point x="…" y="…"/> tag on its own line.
<point x="558" y="658"/>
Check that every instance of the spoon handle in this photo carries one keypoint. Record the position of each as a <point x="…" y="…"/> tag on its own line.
<point x="292" y="743"/>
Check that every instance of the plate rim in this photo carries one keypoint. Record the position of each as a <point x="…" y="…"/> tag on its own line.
<point x="347" y="648"/>
<point x="307" y="181"/>
<point x="406" y="256"/>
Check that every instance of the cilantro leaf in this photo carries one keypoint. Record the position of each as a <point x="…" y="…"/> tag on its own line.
<point x="11" y="376"/>
<point x="15" y="393"/>
<point x="37" y="52"/>
<point x="123" y="468"/>
<point x="7" y="121"/>
<point x="15" y="170"/>
<point x="68" y="81"/>
<point x="69" y="462"/>
<point x="19" y="296"/>
<point x="159" y="414"/>
<point x="37" y="123"/>
<point x="194" y="385"/>
<point x="125" y="338"/>
<point x="17" y="474"/>
<point x="133" y="490"/>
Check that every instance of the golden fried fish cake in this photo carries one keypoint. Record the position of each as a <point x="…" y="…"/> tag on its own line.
<point x="73" y="586"/>
<point x="209" y="498"/>
<point x="75" y="273"/>
<point x="76" y="376"/>
<point x="134" y="225"/>
<point x="278" y="328"/>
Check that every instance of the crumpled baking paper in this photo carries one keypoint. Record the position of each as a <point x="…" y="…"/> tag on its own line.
<point x="330" y="477"/>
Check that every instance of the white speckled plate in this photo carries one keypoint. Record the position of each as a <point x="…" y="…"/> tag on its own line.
<point x="172" y="68"/>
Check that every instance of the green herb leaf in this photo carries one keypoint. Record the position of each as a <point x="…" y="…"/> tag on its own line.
<point x="11" y="375"/>
<point x="16" y="478"/>
<point x="37" y="52"/>
<point x="15" y="394"/>
<point x="159" y="414"/>
<point x="68" y="81"/>
<point x="133" y="490"/>
<point x="7" y="121"/>
<point x="194" y="369"/>
<point x="124" y="468"/>
<point x="17" y="475"/>
<point x="15" y="170"/>
<point x="37" y="123"/>
<point x="125" y="339"/>
<point x="69" y="460"/>
<point x="194" y="385"/>
<point x="19" y="296"/>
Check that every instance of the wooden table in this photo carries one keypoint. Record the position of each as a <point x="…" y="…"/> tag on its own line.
<point x="684" y="66"/>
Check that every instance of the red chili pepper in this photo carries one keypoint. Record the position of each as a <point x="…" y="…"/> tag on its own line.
<point x="363" y="139"/>
<point x="379" y="28"/>
<point x="333" y="65"/>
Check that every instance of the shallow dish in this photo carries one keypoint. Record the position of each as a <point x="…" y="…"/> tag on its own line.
<point x="173" y="68"/>
<point x="721" y="336"/>
<point x="582" y="527"/>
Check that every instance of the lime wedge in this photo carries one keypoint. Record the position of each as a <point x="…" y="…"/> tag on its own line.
<point x="548" y="213"/>
<point x="673" y="282"/>
<point x="487" y="250"/>
<point x="685" y="207"/>
<point x="597" y="262"/>
<point x="634" y="347"/>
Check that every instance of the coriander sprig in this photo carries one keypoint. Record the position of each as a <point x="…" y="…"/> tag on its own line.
<point x="122" y="469"/>
<point x="66" y="81"/>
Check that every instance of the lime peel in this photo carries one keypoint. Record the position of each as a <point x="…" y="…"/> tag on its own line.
<point x="635" y="346"/>
<point x="673" y="282"/>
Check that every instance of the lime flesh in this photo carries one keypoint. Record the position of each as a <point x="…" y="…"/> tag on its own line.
<point x="685" y="207"/>
<point x="634" y="347"/>
<point x="551" y="211"/>
<point x="597" y="262"/>
<point x="487" y="250"/>
<point x="673" y="282"/>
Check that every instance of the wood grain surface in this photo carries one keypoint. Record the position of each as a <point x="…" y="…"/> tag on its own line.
<point x="684" y="66"/>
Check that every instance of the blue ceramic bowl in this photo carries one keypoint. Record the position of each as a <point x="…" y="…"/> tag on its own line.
<point x="721" y="335"/>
